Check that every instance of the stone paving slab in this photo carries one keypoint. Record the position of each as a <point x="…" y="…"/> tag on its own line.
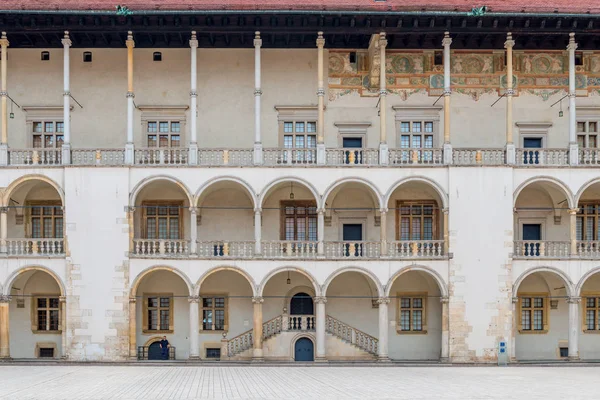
<point x="66" y="382"/>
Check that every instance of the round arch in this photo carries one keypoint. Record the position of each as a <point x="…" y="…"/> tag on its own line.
<point x="146" y="181"/>
<point x="421" y="268"/>
<point x="553" y="270"/>
<point x="549" y="179"/>
<point x="138" y="279"/>
<point x="274" y="272"/>
<point x="211" y="271"/>
<point x="359" y="270"/>
<point x="439" y="190"/>
<point x="15" y="274"/>
<point x="585" y="187"/>
<point x="285" y="179"/>
<point x="584" y="279"/>
<point x="16" y="183"/>
<point x="227" y="178"/>
<point x="374" y="191"/>
<point x="302" y="336"/>
<point x="294" y="291"/>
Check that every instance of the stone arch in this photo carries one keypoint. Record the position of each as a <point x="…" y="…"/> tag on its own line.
<point x="16" y="183"/>
<point x="421" y="268"/>
<point x="138" y="279"/>
<point x="276" y="271"/>
<point x="227" y="178"/>
<point x="299" y="336"/>
<point x="146" y="181"/>
<point x="567" y="281"/>
<point x="423" y="179"/>
<point x="584" y="279"/>
<point x="363" y="271"/>
<point x="285" y="179"/>
<point x="211" y="271"/>
<point x="15" y="274"/>
<point x="549" y="179"/>
<point x="295" y="290"/>
<point x="585" y="187"/>
<point x="374" y="191"/>
<point x="152" y="339"/>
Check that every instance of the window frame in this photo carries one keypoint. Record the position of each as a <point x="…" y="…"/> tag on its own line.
<point x="581" y="214"/>
<point x="158" y="203"/>
<point x="420" y="114"/>
<point x="145" y="310"/>
<point x="282" y="218"/>
<point x="43" y="114"/>
<point x="584" y="325"/>
<point x="225" y="296"/>
<point x="545" y="313"/>
<point x="34" y="313"/>
<point x="436" y="229"/>
<point x="412" y="295"/>
<point x="160" y="114"/>
<point x="170" y="134"/>
<point x="30" y="217"/>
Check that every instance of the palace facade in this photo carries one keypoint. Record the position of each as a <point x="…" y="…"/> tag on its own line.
<point x="316" y="183"/>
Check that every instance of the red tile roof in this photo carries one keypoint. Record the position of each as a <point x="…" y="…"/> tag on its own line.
<point x="529" y="6"/>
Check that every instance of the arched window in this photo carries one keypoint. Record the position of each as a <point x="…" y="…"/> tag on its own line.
<point x="301" y="304"/>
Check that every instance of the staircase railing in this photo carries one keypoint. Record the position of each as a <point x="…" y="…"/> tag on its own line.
<point x="245" y="340"/>
<point x="351" y="335"/>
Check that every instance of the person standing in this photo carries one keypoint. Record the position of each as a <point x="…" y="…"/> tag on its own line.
<point x="164" y="348"/>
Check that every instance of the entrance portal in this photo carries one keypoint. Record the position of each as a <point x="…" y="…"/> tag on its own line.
<point x="304" y="350"/>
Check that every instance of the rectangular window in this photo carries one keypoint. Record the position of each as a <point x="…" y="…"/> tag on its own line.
<point x="592" y="313"/>
<point x="587" y="134"/>
<point x="534" y="313"/>
<point x="48" y="134"/>
<point x="162" y="220"/>
<point x="587" y="227"/>
<point x="416" y="220"/>
<point x="46" y="219"/>
<point x="411" y="313"/>
<point x="416" y="134"/>
<point x="47" y="314"/>
<point x="159" y="313"/>
<point x="300" y="136"/>
<point x="213" y="352"/>
<point x="214" y="313"/>
<point x="163" y="133"/>
<point x="299" y="221"/>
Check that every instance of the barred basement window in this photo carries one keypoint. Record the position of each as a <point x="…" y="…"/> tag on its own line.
<point x="213" y="353"/>
<point x="412" y="313"/>
<point x="592" y="313"/>
<point x="47" y="314"/>
<point x="214" y="313"/>
<point x="162" y="220"/>
<point x="158" y="313"/>
<point x="46" y="352"/>
<point x="534" y="313"/>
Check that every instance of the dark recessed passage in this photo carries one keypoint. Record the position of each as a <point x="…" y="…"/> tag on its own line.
<point x="157" y="56"/>
<point x="87" y="56"/>
<point x="45" y="56"/>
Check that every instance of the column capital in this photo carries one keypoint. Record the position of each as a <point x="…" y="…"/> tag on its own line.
<point x="321" y="92"/>
<point x="383" y="210"/>
<point x="193" y="93"/>
<point x="130" y="94"/>
<point x="193" y="40"/>
<point x="129" y="209"/>
<point x="257" y="210"/>
<point x="130" y="43"/>
<point x="3" y="93"/>
<point x="3" y="210"/>
<point x="132" y="300"/>
<point x="257" y="39"/>
<point x="444" y="299"/>
<point x="382" y="40"/>
<point x="509" y="43"/>
<point x="68" y="94"/>
<point x="447" y="40"/>
<point x="66" y="41"/>
<point x="193" y="210"/>
<point x="383" y="300"/>
<point x="62" y="299"/>
<point x="320" y="39"/>
<point x="446" y="210"/>
<point x="573" y="211"/>
<point x="572" y="44"/>
<point x="510" y="92"/>
<point x="4" y="41"/>
<point x="320" y="300"/>
<point x="447" y="92"/>
<point x="574" y="300"/>
<point x="258" y="92"/>
<point x="5" y="298"/>
<point x="258" y="300"/>
<point x="194" y="299"/>
<point x="515" y="300"/>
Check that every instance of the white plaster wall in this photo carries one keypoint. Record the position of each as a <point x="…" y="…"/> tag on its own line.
<point x="227" y="214"/>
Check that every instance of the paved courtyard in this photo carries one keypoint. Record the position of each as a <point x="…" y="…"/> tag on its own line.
<point x="247" y="382"/>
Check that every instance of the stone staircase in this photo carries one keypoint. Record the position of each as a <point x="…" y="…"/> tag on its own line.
<point x="351" y="335"/>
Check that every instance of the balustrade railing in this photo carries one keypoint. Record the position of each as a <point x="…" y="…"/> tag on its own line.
<point x="589" y="156"/>
<point x="541" y="249"/>
<point x="36" y="156"/>
<point x="226" y="157"/>
<point x="98" y="156"/>
<point x="543" y="157"/>
<point x="290" y="157"/>
<point x="240" y="343"/>
<point x="351" y="335"/>
<point x="276" y="249"/>
<point x="588" y="248"/>
<point x="160" y="247"/>
<point x="35" y="247"/>
<point x="219" y="248"/>
<point x="416" y="156"/>
<point x="301" y="323"/>
<point x="416" y="249"/>
<point x="352" y="157"/>
<point x="478" y="156"/>
<point x="273" y="327"/>
<point x="161" y="156"/>
<point x="352" y="249"/>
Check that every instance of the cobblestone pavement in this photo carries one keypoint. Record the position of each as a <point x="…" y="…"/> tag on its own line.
<point x="247" y="382"/>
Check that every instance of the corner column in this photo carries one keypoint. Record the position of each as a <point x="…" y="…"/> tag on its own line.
<point x="258" y="155"/>
<point x="193" y="230"/>
<point x="446" y="42"/>
<point x="257" y="231"/>
<point x="257" y="333"/>
<point x="3" y="229"/>
<point x="321" y="157"/>
<point x="193" y="149"/>
<point x="321" y="232"/>
<point x="4" y="97"/>
<point x="132" y="329"/>
<point x="66" y="147"/>
<point x="382" y="348"/>
<point x="574" y="327"/>
<point x="129" y="150"/>
<point x="445" y="353"/>
<point x="4" y="327"/>
<point x="320" y="328"/>
<point x="573" y="230"/>
<point x="383" y="231"/>
<point x="573" y="147"/>
<point x="63" y="325"/>
<point x="194" y="327"/>
<point x="383" y="146"/>
<point x="510" y="146"/>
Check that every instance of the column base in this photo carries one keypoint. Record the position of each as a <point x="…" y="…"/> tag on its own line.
<point x="383" y="359"/>
<point x="322" y="359"/>
<point x="511" y="154"/>
<point x="257" y="360"/>
<point x="573" y="358"/>
<point x="3" y="154"/>
<point x="66" y="154"/>
<point x="129" y="154"/>
<point x="194" y="358"/>
<point x="573" y="154"/>
<point x="321" y="156"/>
<point x="447" y="151"/>
<point x="445" y="360"/>
<point x="193" y="154"/>
<point x="383" y="154"/>
<point x="258" y="154"/>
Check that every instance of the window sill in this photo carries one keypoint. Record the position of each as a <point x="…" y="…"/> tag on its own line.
<point x="524" y="332"/>
<point x="39" y="332"/>
<point x="592" y="332"/>
<point x="220" y="332"/>
<point x="152" y="332"/>
<point x="423" y="332"/>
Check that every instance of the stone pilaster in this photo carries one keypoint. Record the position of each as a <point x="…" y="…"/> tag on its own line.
<point x="4" y="327"/>
<point x="257" y="333"/>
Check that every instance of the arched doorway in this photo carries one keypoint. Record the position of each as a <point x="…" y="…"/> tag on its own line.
<point x="301" y="304"/>
<point x="304" y="350"/>
<point x="154" y="351"/>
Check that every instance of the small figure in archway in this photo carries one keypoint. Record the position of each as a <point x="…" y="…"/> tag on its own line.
<point x="164" y="348"/>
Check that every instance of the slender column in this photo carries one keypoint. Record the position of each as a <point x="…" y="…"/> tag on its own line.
<point x="132" y="329"/>
<point x="66" y="147"/>
<point x="573" y="230"/>
<point x="258" y="231"/>
<point x="3" y="229"/>
<point x="574" y="327"/>
<point x="446" y="42"/>
<point x="320" y="101"/>
<point x="129" y="148"/>
<point x="445" y="354"/>
<point x="257" y="334"/>
<point x="382" y="348"/>
<point x="383" y="146"/>
<point x="4" y="96"/>
<point x="513" y="331"/>
<point x="573" y="147"/>
<point x="194" y="327"/>
<point x="63" y="326"/>
<point x="130" y="218"/>
<point x="4" y="327"/>
<point x="193" y="230"/>
<point x="446" y="231"/>
<point x="510" y="146"/>
<point x="320" y="328"/>
<point x="383" y="231"/>
<point x="321" y="231"/>
<point x="258" y="157"/>
<point x="193" y="156"/>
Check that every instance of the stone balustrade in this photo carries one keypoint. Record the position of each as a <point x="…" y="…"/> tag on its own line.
<point x="337" y="250"/>
<point x="351" y="335"/>
<point x="45" y="157"/>
<point x="225" y="157"/>
<point x="589" y="156"/>
<point x="161" y="156"/>
<point x="416" y="156"/>
<point x="478" y="156"/>
<point x="541" y="249"/>
<point x="273" y="327"/>
<point x="289" y="249"/>
<point x="47" y="247"/>
<point x="220" y="249"/>
<point x="240" y="343"/>
<point x="282" y="157"/>
<point x="416" y="249"/>
<point x="588" y="249"/>
<point x="543" y="157"/>
<point x="350" y="157"/>
<point x="301" y="323"/>
<point x="98" y="156"/>
<point x="160" y="247"/>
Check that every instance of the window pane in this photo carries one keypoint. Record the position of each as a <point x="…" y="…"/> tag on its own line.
<point x="289" y="229"/>
<point x="579" y="228"/>
<point x="311" y="127"/>
<point x="526" y="302"/>
<point x="37" y="127"/>
<point x="300" y="141"/>
<point x="312" y="229"/>
<point x="42" y="302"/>
<point x="417" y="302"/>
<point x="42" y="320"/>
<point x="417" y="320"/>
<point x="405" y="320"/>
<point x="538" y="302"/>
<point x="311" y="141"/>
<point x="58" y="228"/>
<point x="207" y="302"/>
<point x="207" y="319"/>
<point x="53" y="302"/>
<point x="152" y="127"/>
<point x="591" y="320"/>
<point x="416" y="127"/>
<point x="526" y="320"/>
<point x="163" y="141"/>
<point x="152" y="301"/>
<point x="404" y="141"/>
<point x="175" y="127"/>
<point x="405" y="228"/>
<point x="48" y="141"/>
<point x="288" y="127"/>
<point x="219" y="320"/>
<point x="428" y="141"/>
<point x="151" y="140"/>
<point x="151" y="228"/>
<point x="164" y="320"/>
<point x="174" y="228"/>
<point x="165" y="302"/>
<point x="581" y="127"/>
<point x="152" y="320"/>
<point x="301" y="229"/>
<point x="219" y="302"/>
<point x="288" y="141"/>
<point x="300" y="127"/>
<point x="428" y="126"/>
<point x="48" y="227"/>
<point x="538" y="320"/>
<point x="162" y="228"/>
<point x="37" y="141"/>
<point x="49" y="127"/>
<point x="175" y="141"/>
<point x="163" y="127"/>
<point x="404" y="127"/>
<point x="427" y="228"/>
<point x="405" y="302"/>
<point x="54" y="320"/>
<point x="416" y="141"/>
<point x="36" y="228"/>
